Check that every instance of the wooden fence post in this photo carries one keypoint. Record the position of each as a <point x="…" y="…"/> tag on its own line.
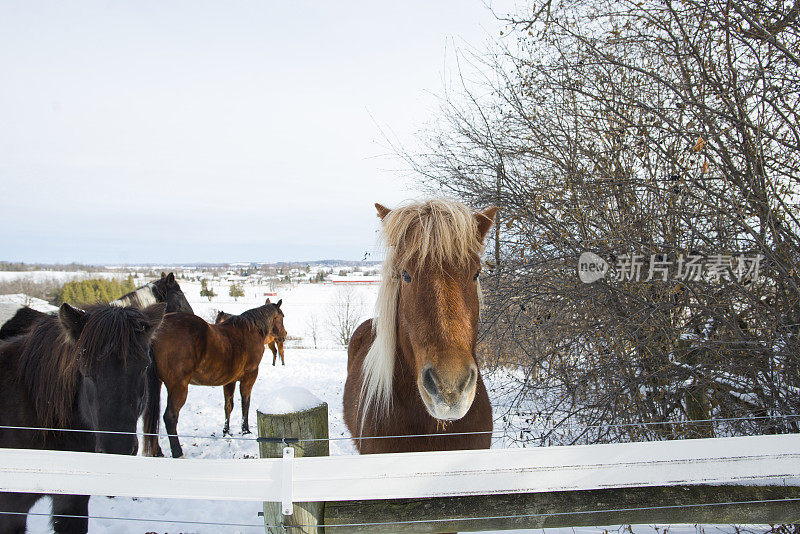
<point x="297" y="427"/>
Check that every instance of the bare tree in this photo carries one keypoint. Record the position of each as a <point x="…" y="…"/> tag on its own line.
<point x="45" y="289"/>
<point x="666" y="129"/>
<point x="313" y="328"/>
<point x="345" y="312"/>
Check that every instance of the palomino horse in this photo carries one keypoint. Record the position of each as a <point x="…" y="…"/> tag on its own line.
<point x="188" y="350"/>
<point x="80" y="370"/>
<point x="412" y="370"/>
<point x="165" y="289"/>
<point x="274" y="339"/>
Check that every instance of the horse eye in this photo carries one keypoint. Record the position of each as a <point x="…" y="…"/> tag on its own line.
<point x="406" y="277"/>
<point x="477" y="273"/>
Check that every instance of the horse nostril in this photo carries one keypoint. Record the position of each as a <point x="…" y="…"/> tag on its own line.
<point x="469" y="383"/>
<point x="429" y="382"/>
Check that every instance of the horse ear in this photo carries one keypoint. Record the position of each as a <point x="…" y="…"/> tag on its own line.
<point x="170" y="277"/>
<point x="383" y="211"/>
<point x="485" y="219"/>
<point x="72" y="320"/>
<point x="278" y="305"/>
<point x="154" y="314"/>
<point x="163" y="274"/>
<point x="267" y="301"/>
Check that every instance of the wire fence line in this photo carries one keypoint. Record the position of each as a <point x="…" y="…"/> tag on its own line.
<point x="500" y="433"/>
<point x="137" y="519"/>
<point x="418" y="521"/>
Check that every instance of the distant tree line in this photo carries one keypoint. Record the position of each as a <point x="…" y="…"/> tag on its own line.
<point x="70" y="267"/>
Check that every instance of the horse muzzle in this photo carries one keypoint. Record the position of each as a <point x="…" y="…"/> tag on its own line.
<point x="118" y="444"/>
<point x="447" y="396"/>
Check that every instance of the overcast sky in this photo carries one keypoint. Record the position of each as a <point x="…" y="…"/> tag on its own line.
<point x="215" y="131"/>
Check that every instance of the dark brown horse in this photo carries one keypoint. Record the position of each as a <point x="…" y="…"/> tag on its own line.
<point x="188" y="350"/>
<point x="274" y="339"/>
<point x="80" y="370"/>
<point x="412" y="369"/>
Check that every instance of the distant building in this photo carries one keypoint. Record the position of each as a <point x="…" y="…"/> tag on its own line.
<point x="359" y="279"/>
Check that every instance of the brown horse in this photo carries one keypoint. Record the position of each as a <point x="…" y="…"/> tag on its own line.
<point x="188" y="350"/>
<point x="412" y="370"/>
<point x="274" y="339"/>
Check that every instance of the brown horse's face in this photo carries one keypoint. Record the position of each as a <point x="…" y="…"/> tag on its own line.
<point x="437" y="321"/>
<point x="278" y="331"/>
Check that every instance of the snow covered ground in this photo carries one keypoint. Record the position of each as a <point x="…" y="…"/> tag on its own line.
<point x="322" y="370"/>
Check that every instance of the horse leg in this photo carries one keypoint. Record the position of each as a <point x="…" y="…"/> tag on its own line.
<point x="280" y="350"/>
<point x="17" y="504"/>
<point x="70" y="505"/>
<point x="176" y="398"/>
<point x="228" y="389"/>
<point x="245" y="387"/>
<point x="271" y="346"/>
<point x="152" y="412"/>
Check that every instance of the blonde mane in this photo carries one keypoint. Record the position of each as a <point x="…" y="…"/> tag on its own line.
<point x="429" y="234"/>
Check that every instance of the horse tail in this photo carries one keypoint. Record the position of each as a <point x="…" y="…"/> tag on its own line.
<point x="152" y="409"/>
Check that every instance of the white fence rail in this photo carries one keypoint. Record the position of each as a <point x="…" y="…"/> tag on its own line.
<point x="756" y="460"/>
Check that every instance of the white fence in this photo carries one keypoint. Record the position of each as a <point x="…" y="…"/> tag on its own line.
<point x="756" y="460"/>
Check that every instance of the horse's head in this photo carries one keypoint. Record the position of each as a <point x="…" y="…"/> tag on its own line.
<point x="221" y="316"/>
<point x="277" y="329"/>
<point x="435" y="250"/>
<point x="167" y="289"/>
<point x="112" y="346"/>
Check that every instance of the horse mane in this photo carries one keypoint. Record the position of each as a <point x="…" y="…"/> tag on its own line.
<point x="259" y="318"/>
<point x="141" y="297"/>
<point x="50" y="360"/>
<point x="430" y="234"/>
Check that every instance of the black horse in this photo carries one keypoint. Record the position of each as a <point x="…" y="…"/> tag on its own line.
<point x="165" y="289"/>
<point x="83" y="370"/>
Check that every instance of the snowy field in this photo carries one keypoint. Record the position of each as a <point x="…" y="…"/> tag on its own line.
<point x="61" y="276"/>
<point x="321" y="370"/>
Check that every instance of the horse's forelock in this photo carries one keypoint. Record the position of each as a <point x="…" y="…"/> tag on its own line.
<point x="433" y="233"/>
<point x="108" y="330"/>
